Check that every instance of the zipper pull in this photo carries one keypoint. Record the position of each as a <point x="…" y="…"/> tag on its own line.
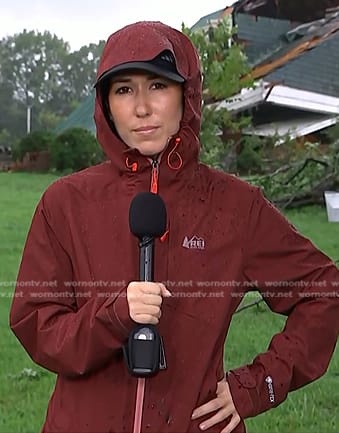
<point x="154" y="177"/>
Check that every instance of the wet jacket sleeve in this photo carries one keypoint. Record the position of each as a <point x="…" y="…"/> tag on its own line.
<point x="296" y="280"/>
<point x="57" y="334"/>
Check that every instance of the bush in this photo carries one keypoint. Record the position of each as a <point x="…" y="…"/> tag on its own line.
<point x="75" y="149"/>
<point x="33" y="142"/>
<point x="249" y="159"/>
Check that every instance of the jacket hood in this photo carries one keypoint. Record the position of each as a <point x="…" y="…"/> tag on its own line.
<point x="142" y="41"/>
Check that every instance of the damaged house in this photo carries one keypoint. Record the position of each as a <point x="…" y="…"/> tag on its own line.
<point x="293" y="50"/>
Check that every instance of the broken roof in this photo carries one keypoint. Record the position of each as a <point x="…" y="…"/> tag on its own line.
<point x="283" y="49"/>
<point x="292" y="10"/>
<point x="262" y="36"/>
<point x="316" y="70"/>
<point x="312" y="47"/>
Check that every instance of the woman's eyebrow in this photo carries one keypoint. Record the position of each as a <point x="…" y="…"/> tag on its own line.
<point x="121" y="80"/>
<point x="128" y="79"/>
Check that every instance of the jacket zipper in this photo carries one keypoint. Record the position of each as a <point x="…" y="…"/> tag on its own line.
<point x="154" y="176"/>
<point x="139" y="403"/>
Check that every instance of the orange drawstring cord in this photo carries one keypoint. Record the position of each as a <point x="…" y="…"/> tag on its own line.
<point x="132" y="165"/>
<point x="173" y="151"/>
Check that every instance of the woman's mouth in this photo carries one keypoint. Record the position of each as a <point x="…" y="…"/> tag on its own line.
<point x="144" y="130"/>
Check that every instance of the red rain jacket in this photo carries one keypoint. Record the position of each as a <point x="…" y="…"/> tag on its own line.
<point x="223" y="234"/>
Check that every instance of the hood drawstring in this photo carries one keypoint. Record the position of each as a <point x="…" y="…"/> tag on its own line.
<point x="132" y="165"/>
<point x="177" y="167"/>
<point x="177" y="154"/>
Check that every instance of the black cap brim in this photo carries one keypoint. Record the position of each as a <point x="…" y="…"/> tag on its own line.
<point x="144" y="66"/>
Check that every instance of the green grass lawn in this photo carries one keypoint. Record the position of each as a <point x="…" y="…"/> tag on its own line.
<point x="25" y="388"/>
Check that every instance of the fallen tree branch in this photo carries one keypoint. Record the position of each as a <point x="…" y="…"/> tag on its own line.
<point x="306" y="162"/>
<point x="315" y="195"/>
<point x="297" y="184"/>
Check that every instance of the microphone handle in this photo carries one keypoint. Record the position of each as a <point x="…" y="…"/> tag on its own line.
<point x="146" y="267"/>
<point x="144" y="352"/>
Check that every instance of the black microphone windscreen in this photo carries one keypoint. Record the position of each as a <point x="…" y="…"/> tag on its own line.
<point x="147" y="215"/>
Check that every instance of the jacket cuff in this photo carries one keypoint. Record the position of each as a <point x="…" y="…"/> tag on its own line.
<point x="118" y="313"/>
<point x="243" y="390"/>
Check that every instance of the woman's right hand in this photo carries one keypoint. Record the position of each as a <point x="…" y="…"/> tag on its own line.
<point x="144" y="301"/>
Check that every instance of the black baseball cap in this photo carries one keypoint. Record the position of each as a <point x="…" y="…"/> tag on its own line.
<point x="163" y="65"/>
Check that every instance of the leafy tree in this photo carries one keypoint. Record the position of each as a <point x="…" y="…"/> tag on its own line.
<point x="32" y="62"/>
<point x="31" y="73"/>
<point x="223" y="66"/>
<point x="79" y="72"/>
<point x="38" y="70"/>
<point x="80" y="69"/>
<point x="13" y="114"/>
<point x="48" y="119"/>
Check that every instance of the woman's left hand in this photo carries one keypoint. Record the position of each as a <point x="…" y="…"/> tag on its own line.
<point x="224" y="407"/>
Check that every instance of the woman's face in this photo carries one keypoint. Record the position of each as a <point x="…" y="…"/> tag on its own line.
<point x="146" y="110"/>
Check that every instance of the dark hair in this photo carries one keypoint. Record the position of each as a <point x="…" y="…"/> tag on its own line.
<point x="104" y="88"/>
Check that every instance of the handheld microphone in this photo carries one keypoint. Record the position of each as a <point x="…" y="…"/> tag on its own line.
<point x="147" y="220"/>
<point x="144" y="352"/>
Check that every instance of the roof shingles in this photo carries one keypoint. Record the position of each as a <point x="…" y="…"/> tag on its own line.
<point x="316" y="70"/>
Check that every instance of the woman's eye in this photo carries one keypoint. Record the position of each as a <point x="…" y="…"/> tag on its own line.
<point x="122" y="90"/>
<point x="159" y="85"/>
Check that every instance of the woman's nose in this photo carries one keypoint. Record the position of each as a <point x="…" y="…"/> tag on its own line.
<point x="142" y="104"/>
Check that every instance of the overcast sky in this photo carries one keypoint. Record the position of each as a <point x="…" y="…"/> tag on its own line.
<point x="82" y="22"/>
